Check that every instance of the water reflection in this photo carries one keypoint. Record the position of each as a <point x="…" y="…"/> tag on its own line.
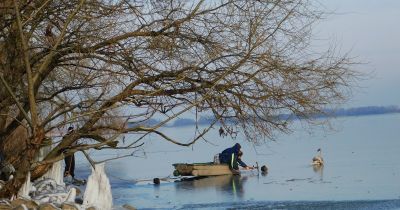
<point x="319" y="170"/>
<point x="230" y="185"/>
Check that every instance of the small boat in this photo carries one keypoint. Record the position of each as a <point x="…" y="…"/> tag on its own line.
<point x="201" y="169"/>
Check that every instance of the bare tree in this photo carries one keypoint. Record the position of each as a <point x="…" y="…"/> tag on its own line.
<point x="99" y="64"/>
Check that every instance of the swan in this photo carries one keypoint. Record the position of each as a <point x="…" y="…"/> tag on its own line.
<point x="318" y="160"/>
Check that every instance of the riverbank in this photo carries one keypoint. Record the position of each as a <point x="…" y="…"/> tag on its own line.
<point x="53" y="191"/>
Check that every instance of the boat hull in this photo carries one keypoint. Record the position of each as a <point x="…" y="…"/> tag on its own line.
<point x="201" y="169"/>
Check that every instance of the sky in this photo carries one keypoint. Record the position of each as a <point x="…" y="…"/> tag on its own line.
<point x="370" y="31"/>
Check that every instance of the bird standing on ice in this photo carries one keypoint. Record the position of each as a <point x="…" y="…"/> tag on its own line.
<point x="318" y="160"/>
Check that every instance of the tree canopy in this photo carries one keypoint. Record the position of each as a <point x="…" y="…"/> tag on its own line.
<point x="98" y="64"/>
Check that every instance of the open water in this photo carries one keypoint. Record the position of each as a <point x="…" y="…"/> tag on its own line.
<point x="361" y="171"/>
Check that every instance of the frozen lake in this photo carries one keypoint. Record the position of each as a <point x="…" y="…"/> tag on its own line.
<point x="362" y="170"/>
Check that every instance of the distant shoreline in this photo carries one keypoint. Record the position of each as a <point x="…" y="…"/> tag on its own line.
<point x="350" y="112"/>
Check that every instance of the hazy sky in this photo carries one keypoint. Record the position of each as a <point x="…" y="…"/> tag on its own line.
<point x="370" y="30"/>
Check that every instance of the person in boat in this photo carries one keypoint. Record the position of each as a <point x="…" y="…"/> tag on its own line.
<point x="240" y="162"/>
<point x="233" y="157"/>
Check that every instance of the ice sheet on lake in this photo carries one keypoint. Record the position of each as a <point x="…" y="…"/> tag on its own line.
<point x="300" y="205"/>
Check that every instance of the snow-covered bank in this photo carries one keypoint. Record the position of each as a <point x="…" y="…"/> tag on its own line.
<point x="45" y="194"/>
<point x="50" y="192"/>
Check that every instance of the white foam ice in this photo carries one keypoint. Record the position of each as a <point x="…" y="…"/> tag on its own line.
<point x="26" y="187"/>
<point x="56" y="173"/>
<point x="98" y="189"/>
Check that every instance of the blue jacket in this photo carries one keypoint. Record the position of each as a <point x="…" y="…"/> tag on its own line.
<point x="230" y="157"/>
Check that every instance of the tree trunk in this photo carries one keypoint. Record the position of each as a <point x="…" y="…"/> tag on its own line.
<point x="12" y="187"/>
<point x="21" y="155"/>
